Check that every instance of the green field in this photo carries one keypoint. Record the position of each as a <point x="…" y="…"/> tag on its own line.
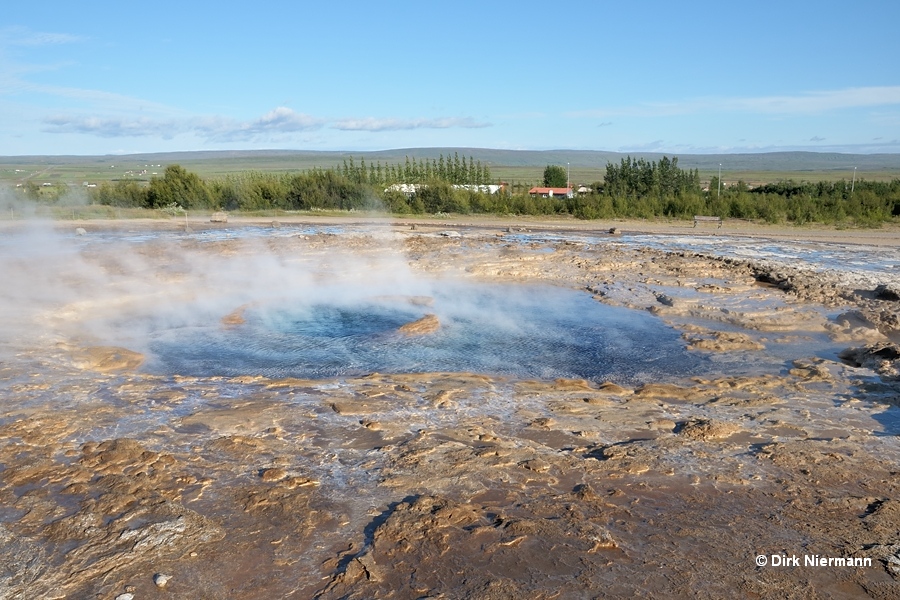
<point x="522" y="167"/>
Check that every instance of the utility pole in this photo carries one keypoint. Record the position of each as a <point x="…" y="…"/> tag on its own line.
<point x="853" y="183"/>
<point x="568" y="185"/>
<point x="719" y="191"/>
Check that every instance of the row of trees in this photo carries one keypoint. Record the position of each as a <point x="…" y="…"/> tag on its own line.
<point x="863" y="202"/>
<point x="456" y="170"/>
<point x="639" y="178"/>
<point x="631" y="189"/>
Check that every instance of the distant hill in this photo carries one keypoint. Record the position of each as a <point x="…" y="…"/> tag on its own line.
<point x="765" y="161"/>
<point x="518" y="166"/>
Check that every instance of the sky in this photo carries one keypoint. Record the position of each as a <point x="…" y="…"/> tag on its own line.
<point x="89" y="78"/>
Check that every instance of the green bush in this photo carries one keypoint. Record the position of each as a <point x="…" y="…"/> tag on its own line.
<point x="633" y="189"/>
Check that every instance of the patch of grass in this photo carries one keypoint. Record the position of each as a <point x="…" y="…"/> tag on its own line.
<point x="96" y="211"/>
<point x="522" y="167"/>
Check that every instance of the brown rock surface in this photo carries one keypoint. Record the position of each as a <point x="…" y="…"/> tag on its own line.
<point x="425" y="325"/>
<point x="108" y="358"/>
<point x="455" y="485"/>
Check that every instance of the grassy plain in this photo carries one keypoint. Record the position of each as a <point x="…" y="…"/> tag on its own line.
<point x="522" y="167"/>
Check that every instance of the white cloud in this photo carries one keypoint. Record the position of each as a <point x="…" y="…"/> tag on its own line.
<point x="276" y="122"/>
<point x="654" y="146"/>
<point x="819" y="102"/>
<point x="815" y="102"/>
<point x="96" y="100"/>
<point x="272" y="125"/>
<point x="23" y="36"/>
<point x="373" y="124"/>
<point x="113" y="127"/>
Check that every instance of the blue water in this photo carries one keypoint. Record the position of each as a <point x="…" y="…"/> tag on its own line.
<point x="519" y="331"/>
<point x="539" y="332"/>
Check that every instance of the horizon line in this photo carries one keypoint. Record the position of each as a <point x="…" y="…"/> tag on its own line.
<point x="457" y="148"/>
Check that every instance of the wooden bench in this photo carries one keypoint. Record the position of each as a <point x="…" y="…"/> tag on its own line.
<point x="702" y="219"/>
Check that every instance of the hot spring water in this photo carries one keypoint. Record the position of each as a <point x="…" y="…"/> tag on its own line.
<point x="509" y="330"/>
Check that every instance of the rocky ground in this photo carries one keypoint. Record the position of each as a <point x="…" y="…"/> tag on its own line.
<point x="121" y="483"/>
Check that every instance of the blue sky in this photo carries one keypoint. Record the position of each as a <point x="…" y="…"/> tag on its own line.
<point x="695" y="77"/>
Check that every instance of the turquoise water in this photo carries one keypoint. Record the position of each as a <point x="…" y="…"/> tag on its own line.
<point x="519" y="331"/>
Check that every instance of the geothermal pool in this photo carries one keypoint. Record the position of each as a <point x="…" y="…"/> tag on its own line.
<point x="521" y="331"/>
<point x="327" y="313"/>
<point x="318" y="313"/>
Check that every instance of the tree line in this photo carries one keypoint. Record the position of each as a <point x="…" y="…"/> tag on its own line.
<point x="455" y="171"/>
<point x="647" y="189"/>
<point x="634" y="188"/>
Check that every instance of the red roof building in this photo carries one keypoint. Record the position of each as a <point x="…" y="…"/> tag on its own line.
<point x="550" y="192"/>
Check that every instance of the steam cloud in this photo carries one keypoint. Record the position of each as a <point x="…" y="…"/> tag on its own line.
<point x="145" y="288"/>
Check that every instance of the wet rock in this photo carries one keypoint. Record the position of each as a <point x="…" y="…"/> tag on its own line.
<point x="427" y="324"/>
<point x="239" y="418"/>
<point x="807" y="285"/>
<point x="721" y="341"/>
<point x="888" y="292"/>
<point x="444" y="398"/>
<point x="24" y="565"/>
<point x="706" y="429"/>
<point x="273" y="474"/>
<point x="288" y="499"/>
<point x="883" y="358"/>
<point x="115" y="456"/>
<point x="665" y="299"/>
<point x="811" y="369"/>
<point x="421" y="541"/>
<point x="237" y="445"/>
<point x="632" y="457"/>
<point x="366" y="407"/>
<point x="537" y="465"/>
<point x="572" y="385"/>
<point x="665" y="390"/>
<point x="853" y="325"/>
<point x="133" y="535"/>
<point x="607" y="387"/>
<point x="236" y="317"/>
<point x="662" y="424"/>
<point x="108" y="358"/>
<point x="885" y="318"/>
<point x="598" y="400"/>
